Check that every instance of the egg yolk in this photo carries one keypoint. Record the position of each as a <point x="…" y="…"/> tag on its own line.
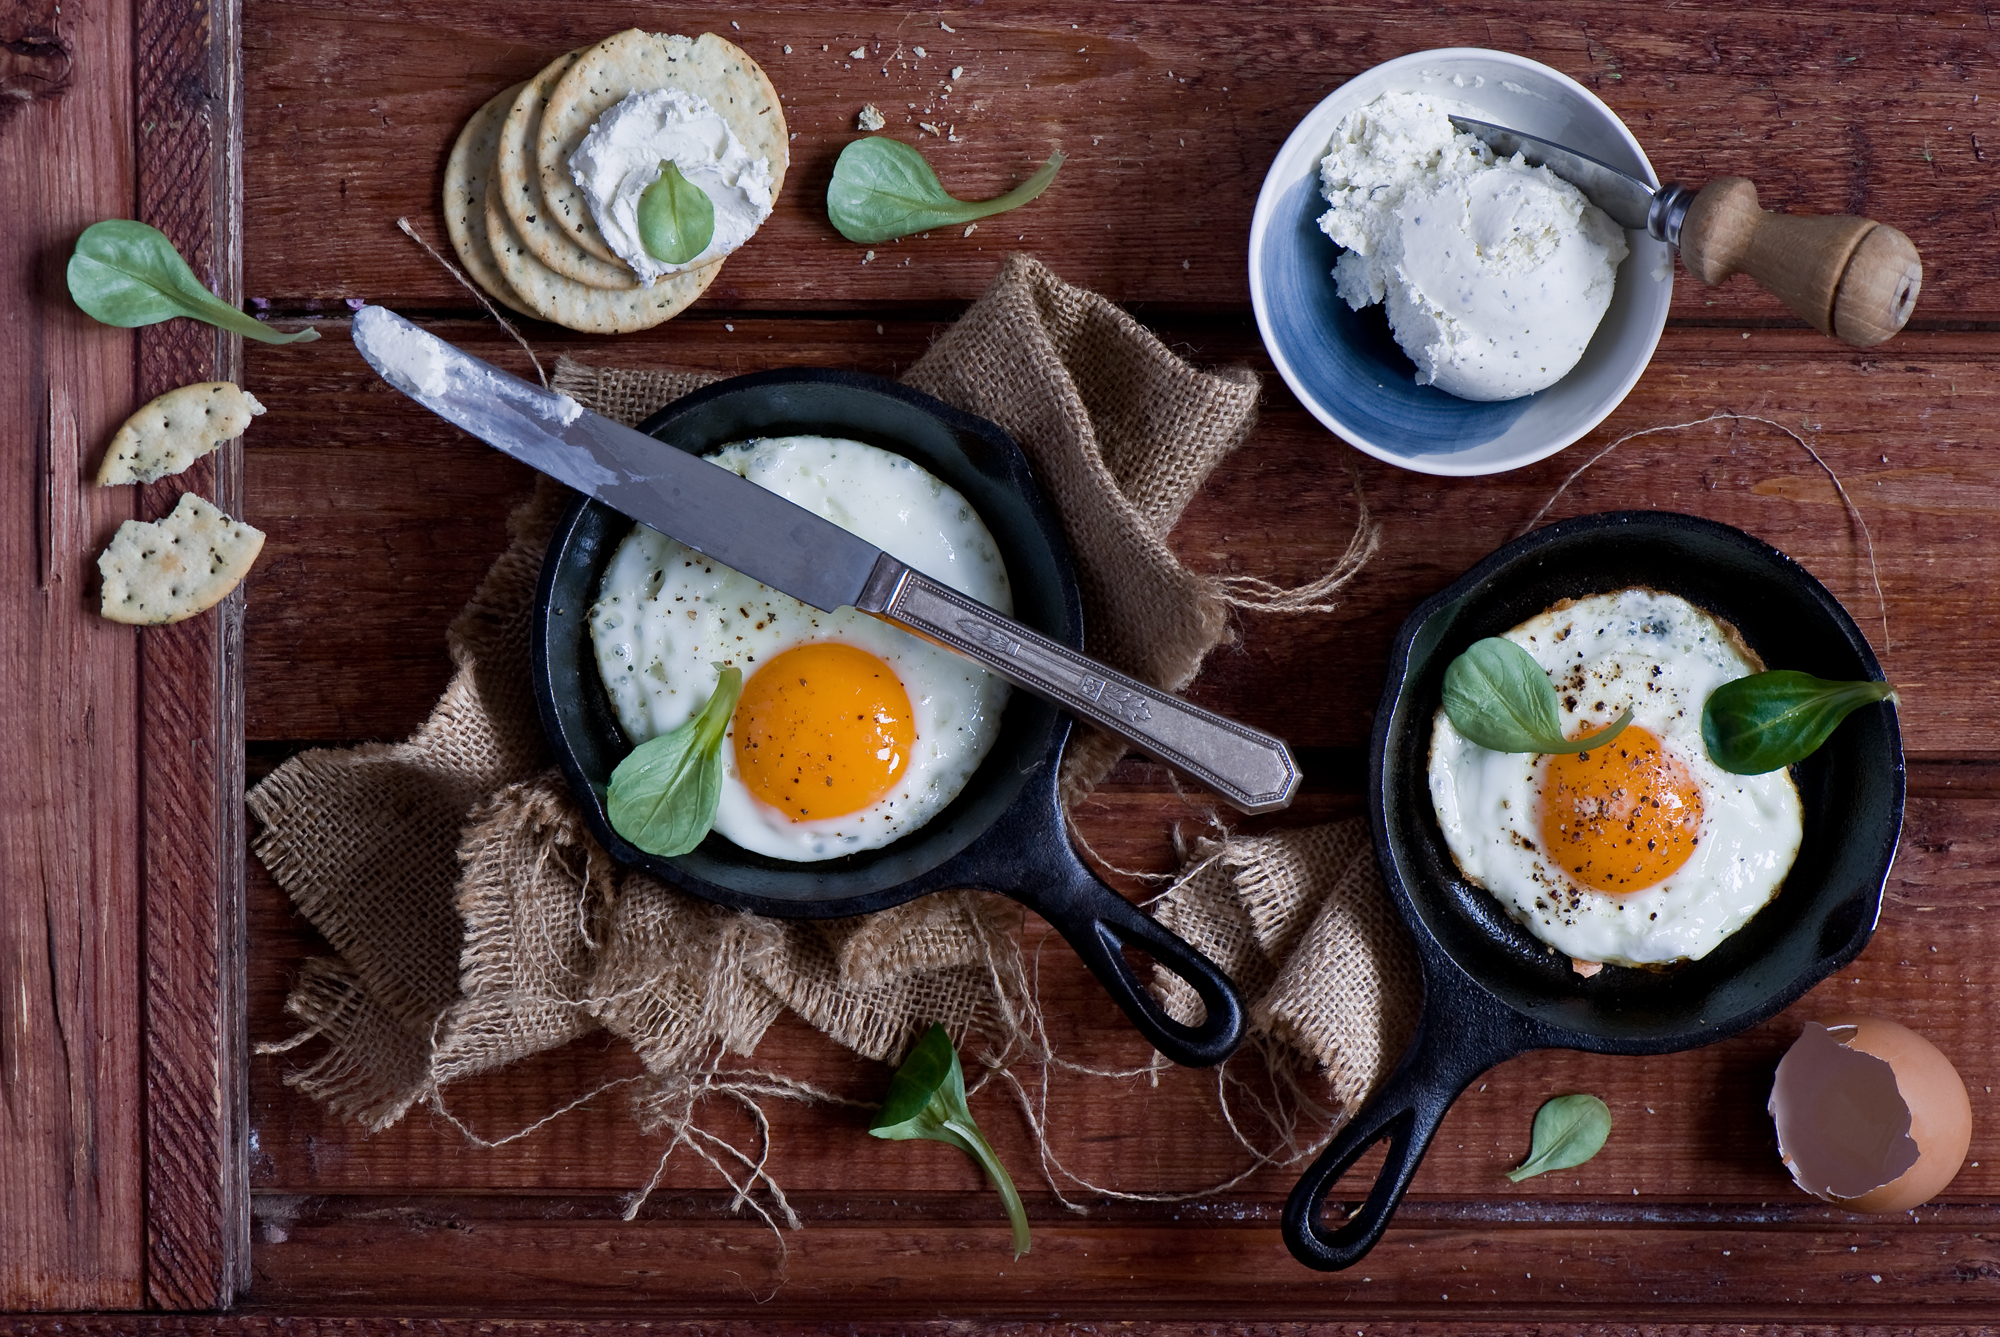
<point x="823" y="730"/>
<point x="1619" y="817"/>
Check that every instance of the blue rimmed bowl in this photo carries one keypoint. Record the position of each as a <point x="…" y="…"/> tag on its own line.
<point x="1345" y="366"/>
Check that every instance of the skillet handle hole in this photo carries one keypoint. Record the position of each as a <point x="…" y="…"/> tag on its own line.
<point x="1336" y="1212"/>
<point x="1179" y="998"/>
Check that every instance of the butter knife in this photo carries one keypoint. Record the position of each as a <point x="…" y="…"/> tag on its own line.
<point x="787" y="547"/>
<point x="1852" y="278"/>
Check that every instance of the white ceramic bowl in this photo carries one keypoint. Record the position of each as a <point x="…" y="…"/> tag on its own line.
<point x="1345" y="365"/>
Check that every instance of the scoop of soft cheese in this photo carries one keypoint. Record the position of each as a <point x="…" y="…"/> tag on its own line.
<point x="621" y="156"/>
<point x="1495" y="273"/>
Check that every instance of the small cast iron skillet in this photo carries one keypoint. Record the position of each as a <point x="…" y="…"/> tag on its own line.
<point x="1005" y="831"/>
<point x="1491" y="990"/>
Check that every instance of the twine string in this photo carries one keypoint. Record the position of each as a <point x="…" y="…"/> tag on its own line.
<point x="473" y="288"/>
<point x="1316" y="595"/>
<point x="1853" y="511"/>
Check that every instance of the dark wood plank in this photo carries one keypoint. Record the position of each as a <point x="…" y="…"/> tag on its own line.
<point x="191" y="760"/>
<point x="1458" y="1265"/>
<point x="70" y="1081"/>
<point x="1620" y="1321"/>
<point x="1691" y="1127"/>
<point x="1171" y="114"/>
<point x="382" y="518"/>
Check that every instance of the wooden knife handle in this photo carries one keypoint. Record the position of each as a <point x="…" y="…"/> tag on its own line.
<point x="1853" y="278"/>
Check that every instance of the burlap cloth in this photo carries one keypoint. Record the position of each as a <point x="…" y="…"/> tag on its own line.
<point x="475" y="922"/>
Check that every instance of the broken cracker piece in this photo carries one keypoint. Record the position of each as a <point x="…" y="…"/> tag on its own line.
<point x="870" y="118"/>
<point x="175" y="430"/>
<point x="168" y="570"/>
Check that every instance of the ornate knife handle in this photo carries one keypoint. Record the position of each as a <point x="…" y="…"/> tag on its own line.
<point x="1252" y="770"/>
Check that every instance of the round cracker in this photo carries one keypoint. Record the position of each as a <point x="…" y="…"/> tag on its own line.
<point x="465" y="174"/>
<point x="521" y="192"/>
<point x="577" y="305"/>
<point x="710" y="67"/>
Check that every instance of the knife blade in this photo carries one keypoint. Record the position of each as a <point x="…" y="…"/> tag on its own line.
<point x="1630" y="202"/>
<point x="770" y="539"/>
<point x="1852" y="278"/>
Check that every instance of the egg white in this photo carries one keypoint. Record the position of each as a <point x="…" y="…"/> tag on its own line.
<point x="665" y="615"/>
<point x="1661" y="656"/>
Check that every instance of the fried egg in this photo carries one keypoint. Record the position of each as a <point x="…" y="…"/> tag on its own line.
<point x="1642" y="851"/>
<point x="850" y="731"/>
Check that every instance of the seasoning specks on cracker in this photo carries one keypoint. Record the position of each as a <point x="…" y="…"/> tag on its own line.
<point x="169" y="570"/>
<point x="175" y="430"/>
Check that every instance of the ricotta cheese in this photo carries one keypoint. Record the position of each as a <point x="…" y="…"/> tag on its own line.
<point x="621" y="156"/>
<point x="1495" y="274"/>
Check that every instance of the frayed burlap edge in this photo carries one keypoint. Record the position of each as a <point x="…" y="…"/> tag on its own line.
<point x="1301" y="922"/>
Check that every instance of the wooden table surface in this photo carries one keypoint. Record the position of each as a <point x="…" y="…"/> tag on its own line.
<point x="122" y="1127"/>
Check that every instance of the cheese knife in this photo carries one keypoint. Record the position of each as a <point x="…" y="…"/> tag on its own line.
<point x="1852" y="278"/>
<point x="764" y="536"/>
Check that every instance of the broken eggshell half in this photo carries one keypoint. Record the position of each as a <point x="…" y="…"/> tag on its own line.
<point x="1870" y="1116"/>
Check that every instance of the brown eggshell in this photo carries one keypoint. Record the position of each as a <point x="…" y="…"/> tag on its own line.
<point x="1940" y="1111"/>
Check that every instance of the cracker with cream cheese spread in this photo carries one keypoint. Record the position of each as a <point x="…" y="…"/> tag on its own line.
<point x="572" y="256"/>
<point x="175" y="430"/>
<point x="168" y="570"/>
<point x="465" y="174"/>
<point x="708" y="66"/>
<point x="579" y="306"/>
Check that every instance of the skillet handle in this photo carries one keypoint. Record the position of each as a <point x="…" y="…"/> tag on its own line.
<point x="1406" y="1111"/>
<point x="1098" y="923"/>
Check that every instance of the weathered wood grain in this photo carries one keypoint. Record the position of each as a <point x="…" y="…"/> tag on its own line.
<point x="1457" y="1265"/>
<point x="36" y="60"/>
<point x="191" y="763"/>
<point x="1605" y="1321"/>
<point x="1690" y="1127"/>
<point x="1170" y="113"/>
<point x="382" y="518"/>
<point x="70" y="1080"/>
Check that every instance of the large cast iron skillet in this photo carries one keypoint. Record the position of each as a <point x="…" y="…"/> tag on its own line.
<point x="1005" y="832"/>
<point x="1491" y="990"/>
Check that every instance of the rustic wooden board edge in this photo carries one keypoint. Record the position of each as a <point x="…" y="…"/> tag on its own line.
<point x="1441" y="1321"/>
<point x="1435" y="1321"/>
<point x="188" y="122"/>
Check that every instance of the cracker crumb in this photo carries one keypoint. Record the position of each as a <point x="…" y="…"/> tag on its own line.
<point x="948" y="28"/>
<point x="921" y="53"/>
<point x="857" y="53"/>
<point x="969" y="227"/>
<point x="864" y="260"/>
<point x="929" y="128"/>
<point x="870" y="118"/>
<point x="788" y="48"/>
<point x="957" y="73"/>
